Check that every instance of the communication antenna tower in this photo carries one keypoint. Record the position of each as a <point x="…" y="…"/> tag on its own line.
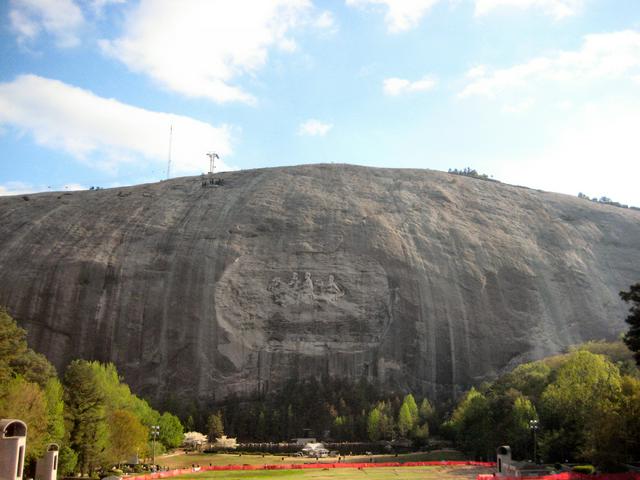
<point x="212" y="157"/>
<point x="169" y="161"/>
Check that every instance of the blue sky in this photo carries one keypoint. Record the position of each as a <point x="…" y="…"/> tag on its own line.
<point x="542" y="93"/>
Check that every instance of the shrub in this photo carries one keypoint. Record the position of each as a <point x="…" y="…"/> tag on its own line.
<point x="116" y="472"/>
<point x="588" y="469"/>
<point x="67" y="460"/>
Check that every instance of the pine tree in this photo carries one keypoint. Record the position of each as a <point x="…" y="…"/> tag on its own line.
<point x="413" y="407"/>
<point x="405" y="420"/>
<point x="632" y="337"/>
<point x="190" y="424"/>
<point x="373" y="425"/>
<point x="85" y="413"/>
<point x="426" y="411"/>
<point x="215" y="428"/>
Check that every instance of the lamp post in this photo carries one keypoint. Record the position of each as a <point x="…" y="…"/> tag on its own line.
<point x="533" y="426"/>
<point x="155" y="432"/>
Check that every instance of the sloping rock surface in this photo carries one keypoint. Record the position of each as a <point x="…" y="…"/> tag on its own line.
<point x="414" y="279"/>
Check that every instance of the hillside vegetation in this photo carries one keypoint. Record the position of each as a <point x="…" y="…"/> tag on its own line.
<point x="88" y="411"/>
<point x="586" y="402"/>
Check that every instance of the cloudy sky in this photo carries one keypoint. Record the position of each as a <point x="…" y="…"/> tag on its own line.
<point x="543" y="93"/>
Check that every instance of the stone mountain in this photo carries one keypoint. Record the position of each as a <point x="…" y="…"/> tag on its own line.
<point x="413" y="279"/>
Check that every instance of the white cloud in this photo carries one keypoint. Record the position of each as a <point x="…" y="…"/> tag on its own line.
<point x="105" y="132"/>
<point x="565" y="105"/>
<point x="401" y="15"/>
<point x="602" y="56"/>
<point x="518" y="106"/>
<point x="15" y="188"/>
<point x="73" y="187"/>
<point x="396" y="86"/>
<point x="20" y="188"/>
<point x="202" y="49"/>
<point x="314" y="128"/>
<point x="325" y="20"/>
<point x="556" y="8"/>
<point x="61" y="19"/>
<point x="582" y="135"/>
<point x="594" y="151"/>
<point x="476" y="72"/>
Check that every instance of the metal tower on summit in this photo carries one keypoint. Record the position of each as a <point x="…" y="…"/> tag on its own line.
<point x="209" y="180"/>
<point x="212" y="160"/>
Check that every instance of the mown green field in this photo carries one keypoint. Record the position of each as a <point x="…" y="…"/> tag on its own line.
<point x="204" y="459"/>
<point x="377" y="473"/>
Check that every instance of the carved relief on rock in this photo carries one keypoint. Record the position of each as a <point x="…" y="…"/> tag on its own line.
<point x="306" y="293"/>
<point x="306" y="304"/>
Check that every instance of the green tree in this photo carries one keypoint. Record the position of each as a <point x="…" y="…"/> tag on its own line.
<point x="529" y="378"/>
<point x="471" y="425"/>
<point x="585" y="388"/>
<point x="629" y="438"/>
<point x="34" y="367"/>
<point x="85" y="414"/>
<point x="13" y="346"/>
<point x="426" y="411"/>
<point x="408" y="416"/>
<point x="189" y="424"/>
<point x="26" y="401"/>
<point x="413" y="407"/>
<point x="28" y="388"/>
<point x="405" y="421"/>
<point x="54" y="396"/>
<point x="16" y="358"/>
<point x="511" y="413"/>
<point x="420" y="434"/>
<point x="380" y="425"/>
<point x="215" y="428"/>
<point x="613" y="431"/>
<point x="67" y="461"/>
<point x="339" y="429"/>
<point x="426" y="422"/>
<point x="127" y="436"/>
<point x="117" y="395"/>
<point x="632" y="337"/>
<point x="373" y="425"/>
<point x="617" y="352"/>
<point x="171" y="431"/>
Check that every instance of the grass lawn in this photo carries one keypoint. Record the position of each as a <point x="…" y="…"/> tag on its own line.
<point x="379" y="473"/>
<point x="382" y="473"/>
<point x="204" y="459"/>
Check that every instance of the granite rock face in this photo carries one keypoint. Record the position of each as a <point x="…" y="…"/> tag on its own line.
<point x="414" y="279"/>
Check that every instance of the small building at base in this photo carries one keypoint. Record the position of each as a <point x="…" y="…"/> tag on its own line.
<point x="314" y="450"/>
